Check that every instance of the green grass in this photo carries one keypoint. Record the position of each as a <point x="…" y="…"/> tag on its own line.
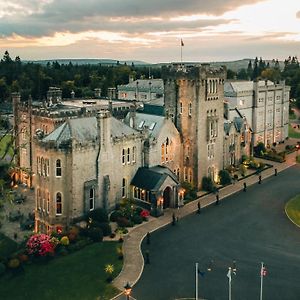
<point x="79" y="275"/>
<point x="7" y="246"/>
<point x="293" y="133"/>
<point x="3" y="145"/>
<point x="292" y="209"/>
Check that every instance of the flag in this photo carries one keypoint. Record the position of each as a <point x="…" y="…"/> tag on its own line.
<point x="182" y="44"/>
<point x="202" y="274"/>
<point x="263" y="271"/>
<point x="229" y="275"/>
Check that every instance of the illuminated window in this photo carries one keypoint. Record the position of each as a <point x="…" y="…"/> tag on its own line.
<point x="58" y="204"/>
<point x="123" y="187"/>
<point x="92" y="199"/>
<point x="58" y="168"/>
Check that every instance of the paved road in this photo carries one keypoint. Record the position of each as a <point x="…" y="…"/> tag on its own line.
<point x="249" y="227"/>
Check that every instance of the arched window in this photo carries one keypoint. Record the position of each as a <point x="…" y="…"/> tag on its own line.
<point x="123" y="187"/>
<point x="58" y="168"/>
<point x="92" y="199"/>
<point x="58" y="204"/>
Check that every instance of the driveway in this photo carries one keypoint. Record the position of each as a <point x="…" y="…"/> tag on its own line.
<point x="247" y="227"/>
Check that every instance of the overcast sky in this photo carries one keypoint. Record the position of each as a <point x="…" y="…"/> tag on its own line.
<point x="150" y="30"/>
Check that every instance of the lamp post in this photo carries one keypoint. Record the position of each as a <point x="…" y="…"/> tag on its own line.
<point x="127" y="290"/>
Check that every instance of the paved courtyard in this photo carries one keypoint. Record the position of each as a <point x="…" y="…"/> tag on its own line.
<point x="247" y="227"/>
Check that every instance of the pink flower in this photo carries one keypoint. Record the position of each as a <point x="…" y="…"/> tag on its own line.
<point x="40" y="245"/>
<point x="144" y="213"/>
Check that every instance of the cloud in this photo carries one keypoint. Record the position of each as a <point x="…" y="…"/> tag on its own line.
<point x="36" y="18"/>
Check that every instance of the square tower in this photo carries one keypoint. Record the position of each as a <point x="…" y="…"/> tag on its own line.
<point x="194" y="97"/>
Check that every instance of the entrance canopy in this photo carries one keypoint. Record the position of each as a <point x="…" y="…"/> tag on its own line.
<point x="152" y="179"/>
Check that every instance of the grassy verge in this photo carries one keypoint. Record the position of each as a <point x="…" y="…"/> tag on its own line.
<point x="79" y="275"/>
<point x="292" y="209"/>
<point x="293" y="133"/>
<point x="3" y="145"/>
<point x="7" y="246"/>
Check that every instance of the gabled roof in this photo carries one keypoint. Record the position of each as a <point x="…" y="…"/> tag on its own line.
<point x="151" y="179"/>
<point x="85" y="129"/>
<point x="80" y="129"/>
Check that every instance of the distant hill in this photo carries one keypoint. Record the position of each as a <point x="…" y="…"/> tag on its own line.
<point x="90" y="61"/>
<point x="235" y="65"/>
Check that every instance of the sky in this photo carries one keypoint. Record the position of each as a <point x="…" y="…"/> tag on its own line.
<point x="151" y="31"/>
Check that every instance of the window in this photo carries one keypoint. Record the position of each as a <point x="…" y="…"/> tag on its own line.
<point x="38" y="196"/>
<point x="123" y="156"/>
<point x="58" y="168"/>
<point x="92" y="199"/>
<point x="185" y="175"/>
<point x="190" y="109"/>
<point x="141" y="124"/>
<point x="58" y="204"/>
<point x="123" y="187"/>
<point x="133" y="154"/>
<point x="47" y="167"/>
<point x="48" y="202"/>
<point x="151" y="127"/>
<point x="128" y="155"/>
<point x="181" y="108"/>
<point x="42" y="167"/>
<point x="190" y="175"/>
<point x="178" y="173"/>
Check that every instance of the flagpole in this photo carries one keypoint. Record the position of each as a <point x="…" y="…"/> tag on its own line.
<point x="196" y="281"/>
<point x="229" y="283"/>
<point x="261" y="280"/>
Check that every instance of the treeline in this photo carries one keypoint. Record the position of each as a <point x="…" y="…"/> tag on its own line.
<point x="35" y="79"/>
<point x="262" y="70"/>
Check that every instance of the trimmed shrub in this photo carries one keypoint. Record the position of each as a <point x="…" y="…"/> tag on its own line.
<point x="260" y="149"/>
<point x="65" y="241"/>
<point x="115" y="215"/>
<point x="96" y="234"/>
<point x="123" y="222"/>
<point x="207" y="184"/>
<point x="243" y="169"/>
<point x="136" y="219"/>
<point x="225" y="177"/>
<point x="100" y="215"/>
<point x="13" y="263"/>
<point x="106" y="229"/>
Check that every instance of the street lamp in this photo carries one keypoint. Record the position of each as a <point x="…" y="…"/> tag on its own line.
<point x="127" y="291"/>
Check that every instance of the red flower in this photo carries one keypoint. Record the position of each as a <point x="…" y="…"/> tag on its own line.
<point x="144" y="213"/>
<point x="40" y="245"/>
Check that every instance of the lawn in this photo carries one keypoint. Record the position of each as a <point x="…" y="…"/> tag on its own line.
<point x="293" y="133"/>
<point x="292" y="209"/>
<point x="7" y="246"/>
<point x="3" y="145"/>
<point x="79" y="275"/>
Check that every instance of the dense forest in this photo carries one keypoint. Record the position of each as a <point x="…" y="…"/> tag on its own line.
<point x="34" y="79"/>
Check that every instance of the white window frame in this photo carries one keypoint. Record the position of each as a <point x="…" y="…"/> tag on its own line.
<point x="58" y="168"/>
<point x="92" y="199"/>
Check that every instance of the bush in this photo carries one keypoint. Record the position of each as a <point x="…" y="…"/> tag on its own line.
<point x="244" y="158"/>
<point x="73" y="233"/>
<point x="13" y="263"/>
<point x="115" y="215"/>
<point x="136" y="219"/>
<point x="96" y="234"/>
<point x="65" y="241"/>
<point x="2" y="268"/>
<point x="100" y="215"/>
<point x="106" y="229"/>
<point x="207" y="184"/>
<point x="260" y="149"/>
<point x="243" y="169"/>
<point x="123" y="222"/>
<point x="225" y="177"/>
<point x="138" y="210"/>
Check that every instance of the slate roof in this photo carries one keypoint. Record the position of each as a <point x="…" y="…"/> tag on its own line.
<point x="157" y="85"/>
<point x="85" y="129"/>
<point x="243" y="85"/>
<point x="153" y="122"/>
<point x="151" y="179"/>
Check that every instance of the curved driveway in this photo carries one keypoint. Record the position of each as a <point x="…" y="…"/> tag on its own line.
<point x="247" y="227"/>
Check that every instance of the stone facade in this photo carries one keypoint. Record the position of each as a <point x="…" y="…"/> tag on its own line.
<point x="194" y="99"/>
<point x="265" y="105"/>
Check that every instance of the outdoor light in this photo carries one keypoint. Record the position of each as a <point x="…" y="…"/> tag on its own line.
<point x="128" y="289"/>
